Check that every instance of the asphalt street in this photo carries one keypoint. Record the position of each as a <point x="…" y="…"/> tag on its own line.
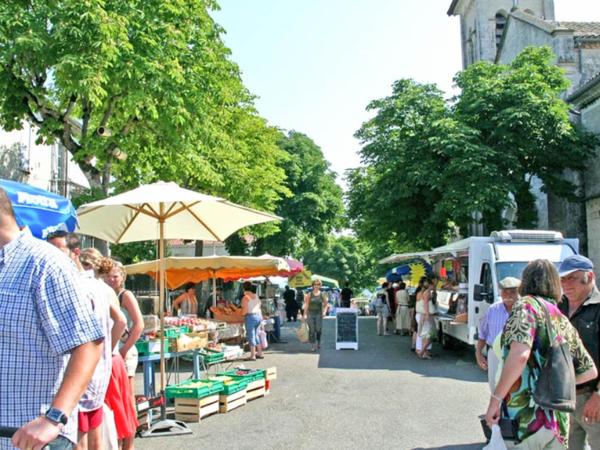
<point x="380" y="396"/>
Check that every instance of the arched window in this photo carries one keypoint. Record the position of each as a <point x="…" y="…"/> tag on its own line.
<point x="500" y="23"/>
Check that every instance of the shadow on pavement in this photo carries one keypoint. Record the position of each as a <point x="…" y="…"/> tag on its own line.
<point x="393" y="353"/>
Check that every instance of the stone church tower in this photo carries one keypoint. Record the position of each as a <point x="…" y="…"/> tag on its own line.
<point x="482" y="23"/>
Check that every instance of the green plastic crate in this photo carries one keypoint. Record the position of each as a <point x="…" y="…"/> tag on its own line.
<point x="150" y="347"/>
<point x="175" y="332"/>
<point x="194" y="389"/>
<point x="248" y="376"/>
<point x="211" y="357"/>
<point x="232" y="385"/>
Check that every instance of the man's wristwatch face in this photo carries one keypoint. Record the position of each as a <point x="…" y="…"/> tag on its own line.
<point x="57" y="416"/>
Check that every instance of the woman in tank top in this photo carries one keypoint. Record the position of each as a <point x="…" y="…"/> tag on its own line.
<point x="252" y="319"/>
<point x="135" y="322"/>
<point x="315" y="307"/>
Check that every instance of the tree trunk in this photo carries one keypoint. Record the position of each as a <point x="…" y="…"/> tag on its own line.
<point x="527" y="216"/>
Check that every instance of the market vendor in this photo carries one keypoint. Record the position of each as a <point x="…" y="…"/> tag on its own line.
<point x="187" y="303"/>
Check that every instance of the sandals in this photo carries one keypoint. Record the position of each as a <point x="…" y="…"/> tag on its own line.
<point x="260" y="357"/>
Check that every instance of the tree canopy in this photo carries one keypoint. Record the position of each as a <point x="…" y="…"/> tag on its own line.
<point x="146" y="80"/>
<point x="313" y="209"/>
<point x="432" y="166"/>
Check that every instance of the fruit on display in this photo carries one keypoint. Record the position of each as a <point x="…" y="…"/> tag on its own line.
<point x="227" y="313"/>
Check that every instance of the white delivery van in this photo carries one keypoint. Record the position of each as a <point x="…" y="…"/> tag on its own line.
<point x="473" y="268"/>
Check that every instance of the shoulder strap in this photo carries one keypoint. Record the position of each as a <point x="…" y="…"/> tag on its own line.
<point x="549" y="325"/>
<point x="120" y="296"/>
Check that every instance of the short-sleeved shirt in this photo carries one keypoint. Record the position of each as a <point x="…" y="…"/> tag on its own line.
<point x="492" y="323"/>
<point x="93" y="397"/>
<point x="527" y="325"/>
<point x="43" y="316"/>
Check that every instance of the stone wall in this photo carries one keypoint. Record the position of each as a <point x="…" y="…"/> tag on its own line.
<point x="590" y="120"/>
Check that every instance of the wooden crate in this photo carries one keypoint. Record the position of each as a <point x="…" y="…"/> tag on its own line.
<point x="271" y="373"/>
<point x="256" y="389"/>
<point x="195" y="409"/>
<point x="232" y="401"/>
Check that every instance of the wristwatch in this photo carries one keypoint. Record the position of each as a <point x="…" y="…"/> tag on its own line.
<point x="57" y="416"/>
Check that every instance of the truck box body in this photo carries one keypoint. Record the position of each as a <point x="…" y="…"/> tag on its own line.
<point x="479" y="263"/>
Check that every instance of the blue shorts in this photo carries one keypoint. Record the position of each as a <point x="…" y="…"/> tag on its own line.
<point x="252" y="322"/>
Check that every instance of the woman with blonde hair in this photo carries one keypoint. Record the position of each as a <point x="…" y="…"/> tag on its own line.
<point x="119" y="396"/>
<point x="115" y="278"/>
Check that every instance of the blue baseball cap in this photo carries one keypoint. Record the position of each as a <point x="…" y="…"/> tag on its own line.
<point x="574" y="263"/>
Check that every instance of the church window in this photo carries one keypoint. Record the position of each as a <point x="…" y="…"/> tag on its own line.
<point x="500" y="23"/>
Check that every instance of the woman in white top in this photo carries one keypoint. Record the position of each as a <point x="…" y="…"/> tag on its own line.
<point x="424" y="309"/>
<point x="402" y="315"/>
<point x="252" y="319"/>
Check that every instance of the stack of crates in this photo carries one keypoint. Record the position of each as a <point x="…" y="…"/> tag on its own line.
<point x="255" y="379"/>
<point x="195" y="399"/>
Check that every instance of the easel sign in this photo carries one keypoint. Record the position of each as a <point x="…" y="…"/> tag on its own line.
<point x="346" y="328"/>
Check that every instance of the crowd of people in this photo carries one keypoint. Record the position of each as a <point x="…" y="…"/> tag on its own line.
<point x="70" y="329"/>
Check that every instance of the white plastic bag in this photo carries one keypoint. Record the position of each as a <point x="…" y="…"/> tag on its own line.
<point x="302" y="332"/>
<point x="262" y="336"/>
<point x="109" y="430"/>
<point x="496" y="441"/>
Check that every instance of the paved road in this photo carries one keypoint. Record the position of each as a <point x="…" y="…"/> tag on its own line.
<point x="380" y="396"/>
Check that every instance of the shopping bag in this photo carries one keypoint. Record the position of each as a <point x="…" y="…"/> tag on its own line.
<point x="302" y="332"/>
<point x="262" y="336"/>
<point x="496" y="441"/>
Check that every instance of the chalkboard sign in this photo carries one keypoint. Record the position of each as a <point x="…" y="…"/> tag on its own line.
<point x="346" y="330"/>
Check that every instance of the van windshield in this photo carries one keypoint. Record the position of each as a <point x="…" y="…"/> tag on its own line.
<point x="512" y="269"/>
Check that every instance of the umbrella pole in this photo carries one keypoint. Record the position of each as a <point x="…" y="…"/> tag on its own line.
<point x="163" y="427"/>
<point x="214" y="289"/>
<point x="161" y="299"/>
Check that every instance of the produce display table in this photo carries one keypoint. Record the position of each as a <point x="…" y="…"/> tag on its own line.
<point x="150" y="375"/>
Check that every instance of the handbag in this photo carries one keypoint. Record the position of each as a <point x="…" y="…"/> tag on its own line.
<point x="555" y="387"/>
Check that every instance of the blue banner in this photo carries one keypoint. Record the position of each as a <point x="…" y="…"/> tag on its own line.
<point x="42" y="211"/>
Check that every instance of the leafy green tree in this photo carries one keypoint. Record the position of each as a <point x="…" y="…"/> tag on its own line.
<point x="521" y="119"/>
<point x="137" y="91"/>
<point x="344" y="258"/>
<point x="313" y="209"/>
<point x="432" y="167"/>
<point x="425" y="173"/>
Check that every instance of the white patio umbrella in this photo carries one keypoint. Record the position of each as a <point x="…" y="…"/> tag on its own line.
<point x="163" y="211"/>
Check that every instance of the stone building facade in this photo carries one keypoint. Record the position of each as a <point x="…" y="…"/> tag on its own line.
<point x="497" y="31"/>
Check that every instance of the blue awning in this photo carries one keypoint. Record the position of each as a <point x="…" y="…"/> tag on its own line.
<point x="42" y="211"/>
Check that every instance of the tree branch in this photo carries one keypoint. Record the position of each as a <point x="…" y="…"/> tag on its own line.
<point x="70" y="107"/>
<point x="85" y="119"/>
<point x="109" y="111"/>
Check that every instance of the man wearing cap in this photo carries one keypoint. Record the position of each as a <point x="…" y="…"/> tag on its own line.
<point x="492" y="324"/>
<point x="581" y="304"/>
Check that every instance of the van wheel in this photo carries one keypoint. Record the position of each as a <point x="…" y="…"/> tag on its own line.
<point x="445" y="341"/>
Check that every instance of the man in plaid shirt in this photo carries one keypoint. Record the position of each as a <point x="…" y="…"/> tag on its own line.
<point x="50" y="341"/>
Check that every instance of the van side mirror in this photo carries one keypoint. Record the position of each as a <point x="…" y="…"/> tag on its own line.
<point x="478" y="293"/>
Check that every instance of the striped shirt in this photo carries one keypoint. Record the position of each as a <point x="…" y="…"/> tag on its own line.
<point x="492" y="323"/>
<point x="43" y="316"/>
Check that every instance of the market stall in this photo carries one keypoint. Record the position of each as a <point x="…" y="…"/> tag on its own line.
<point x="163" y="211"/>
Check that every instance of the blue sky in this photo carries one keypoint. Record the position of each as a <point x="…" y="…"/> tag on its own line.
<point x="316" y="64"/>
